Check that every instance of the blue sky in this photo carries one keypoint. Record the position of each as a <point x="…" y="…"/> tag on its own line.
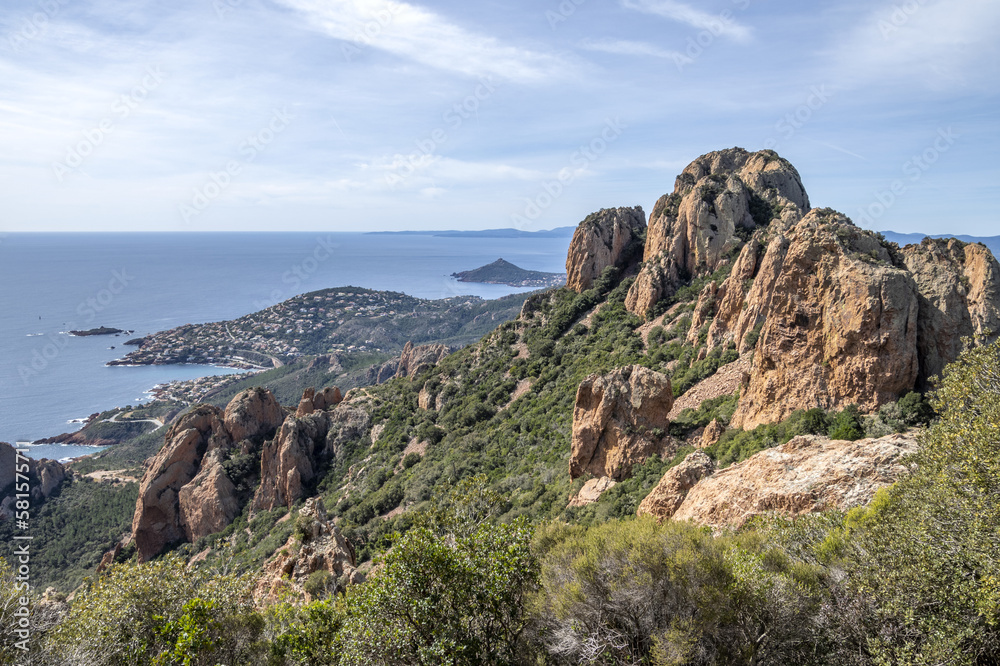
<point x="367" y="114"/>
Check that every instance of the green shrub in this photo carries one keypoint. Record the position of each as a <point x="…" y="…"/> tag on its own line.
<point x="319" y="583"/>
<point x="847" y="424"/>
<point x="458" y="600"/>
<point x="637" y="592"/>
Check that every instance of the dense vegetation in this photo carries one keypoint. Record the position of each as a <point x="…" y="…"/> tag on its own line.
<point x="72" y="530"/>
<point x="911" y="579"/>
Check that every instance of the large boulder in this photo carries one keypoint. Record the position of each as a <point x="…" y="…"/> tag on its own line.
<point x="959" y="290"/>
<point x="837" y="323"/>
<point x="253" y="413"/>
<point x="668" y="495"/>
<point x="717" y="199"/>
<point x="805" y="475"/>
<point x="610" y="237"/>
<point x="620" y="419"/>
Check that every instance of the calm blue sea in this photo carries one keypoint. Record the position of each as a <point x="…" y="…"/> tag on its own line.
<point x="52" y="283"/>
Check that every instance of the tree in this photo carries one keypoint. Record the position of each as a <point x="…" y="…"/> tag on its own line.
<point x="159" y="612"/>
<point x="929" y="554"/>
<point x="449" y="592"/>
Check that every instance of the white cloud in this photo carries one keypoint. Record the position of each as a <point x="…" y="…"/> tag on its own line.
<point x="412" y="32"/>
<point x="940" y="44"/>
<point x="432" y="193"/>
<point x="427" y="170"/>
<point x="626" y="47"/>
<point x="722" y="24"/>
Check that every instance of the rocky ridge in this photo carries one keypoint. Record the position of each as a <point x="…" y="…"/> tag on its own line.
<point x="187" y="492"/>
<point x="317" y="546"/>
<point x="830" y="314"/>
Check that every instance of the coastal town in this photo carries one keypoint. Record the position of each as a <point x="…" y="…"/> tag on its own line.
<point x="338" y="320"/>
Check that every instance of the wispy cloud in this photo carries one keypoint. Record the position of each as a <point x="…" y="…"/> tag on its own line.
<point x="627" y="47"/>
<point x="723" y="25"/>
<point x="942" y="45"/>
<point x="415" y="33"/>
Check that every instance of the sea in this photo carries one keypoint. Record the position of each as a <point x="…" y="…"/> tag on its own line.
<point x="51" y="283"/>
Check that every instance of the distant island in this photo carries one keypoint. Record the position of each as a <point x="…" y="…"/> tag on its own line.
<point x="504" y="272"/>
<point x="103" y="330"/>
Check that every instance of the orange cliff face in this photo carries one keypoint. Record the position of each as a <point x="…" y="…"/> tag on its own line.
<point x="825" y="314"/>
<point x="610" y="237"/>
<point x="187" y="493"/>
<point x="620" y="420"/>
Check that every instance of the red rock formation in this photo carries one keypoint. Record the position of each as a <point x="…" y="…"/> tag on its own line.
<point x="290" y="460"/>
<point x="44" y="477"/>
<point x="619" y="420"/>
<point x="712" y="434"/>
<point x="208" y="503"/>
<point x="317" y="546"/>
<point x="840" y="323"/>
<point x="327" y="398"/>
<point x="157" y="519"/>
<point x="185" y="493"/>
<point x="306" y="403"/>
<point x="415" y="360"/>
<point x="959" y="287"/>
<point x="606" y="238"/>
<point x="668" y="495"/>
<point x="694" y="229"/>
<point x="805" y="475"/>
<point x="253" y="413"/>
